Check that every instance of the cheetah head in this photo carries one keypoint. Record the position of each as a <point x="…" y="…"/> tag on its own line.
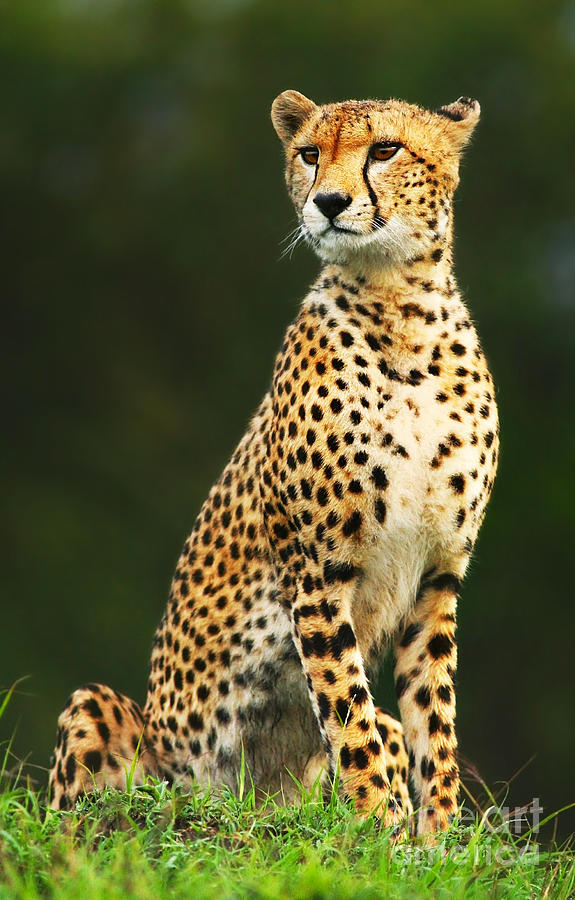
<point x="372" y="180"/>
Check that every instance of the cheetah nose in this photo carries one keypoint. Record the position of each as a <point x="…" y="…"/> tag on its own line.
<point x="332" y="204"/>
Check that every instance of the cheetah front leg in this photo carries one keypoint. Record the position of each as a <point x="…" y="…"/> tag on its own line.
<point x="426" y="659"/>
<point x="339" y="690"/>
<point x="396" y="757"/>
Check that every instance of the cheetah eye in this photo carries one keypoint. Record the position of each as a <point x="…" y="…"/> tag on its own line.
<point x="310" y="155"/>
<point x="381" y="152"/>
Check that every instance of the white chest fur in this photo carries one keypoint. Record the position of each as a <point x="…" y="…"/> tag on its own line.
<point x="420" y="421"/>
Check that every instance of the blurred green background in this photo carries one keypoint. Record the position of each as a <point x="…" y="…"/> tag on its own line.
<point x="142" y="191"/>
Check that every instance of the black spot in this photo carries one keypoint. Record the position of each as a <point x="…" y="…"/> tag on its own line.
<point x="444" y="693"/>
<point x="316" y="645"/>
<point x="410" y="634"/>
<point x="446" y="582"/>
<point x="70" y="768"/>
<point x="324" y="706"/>
<point x="93" y="708"/>
<point x="358" y="694"/>
<point x="440" y="645"/>
<point x="380" y="511"/>
<point x="361" y="758"/>
<point x="379" y="477"/>
<point x="352" y="524"/>
<point x="93" y="760"/>
<point x="434" y="723"/>
<point x="333" y="443"/>
<point x="104" y="731"/>
<point x="383" y="732"/>
<point x="342" y="572"/>
<point x="332" y="519"/>
<point x="423" y="697"/>
<point x="457" y="483"/>
<point x="222" y="715"/>
<point x="401" y="686"/>
<point x="343" y="640"/>
<point x="345" y="756"/>
<point x="195" y="722"/>
<point x="427" y="767"/>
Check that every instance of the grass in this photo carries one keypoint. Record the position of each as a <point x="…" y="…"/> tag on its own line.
<point x="156" y="842"/>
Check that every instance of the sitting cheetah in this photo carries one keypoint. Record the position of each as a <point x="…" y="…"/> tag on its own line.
<point x="347" y="515"/>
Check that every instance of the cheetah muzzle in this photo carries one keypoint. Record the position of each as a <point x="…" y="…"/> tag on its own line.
<point x="348" y="513"/>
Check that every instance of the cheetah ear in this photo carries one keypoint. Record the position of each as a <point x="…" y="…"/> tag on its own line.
<point x="463" y="116"/>
<point x="289" y="112"/>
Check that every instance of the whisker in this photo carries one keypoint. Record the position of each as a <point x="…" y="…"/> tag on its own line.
<point x="289" y="236"/>
<point x="298" y="234"/>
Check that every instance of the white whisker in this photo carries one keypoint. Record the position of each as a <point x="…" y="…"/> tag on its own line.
<point x="295" y="236"/>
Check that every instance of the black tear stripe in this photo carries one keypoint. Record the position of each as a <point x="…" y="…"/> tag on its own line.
<point x="370" y="190"/>
<point x="312" y="185"/>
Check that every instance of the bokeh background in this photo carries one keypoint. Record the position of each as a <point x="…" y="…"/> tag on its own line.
<point x="145" y="298"/>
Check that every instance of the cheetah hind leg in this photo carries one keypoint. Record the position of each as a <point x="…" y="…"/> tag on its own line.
<point x="99" y="734"/>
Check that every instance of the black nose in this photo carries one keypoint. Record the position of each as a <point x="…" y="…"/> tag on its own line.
<point x="332" y="204"/>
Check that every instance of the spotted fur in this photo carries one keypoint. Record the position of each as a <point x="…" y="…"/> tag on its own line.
<point x="345" y="520"/>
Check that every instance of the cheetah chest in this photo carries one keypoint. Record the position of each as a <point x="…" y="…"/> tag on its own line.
<point x="420" y="466"/>
<point x="383" y="448"/>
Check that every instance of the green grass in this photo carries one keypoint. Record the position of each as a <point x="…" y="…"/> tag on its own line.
<point x="156" y="842"/>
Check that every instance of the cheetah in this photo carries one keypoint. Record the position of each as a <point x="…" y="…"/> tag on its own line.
<point x="344" y="523"/>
